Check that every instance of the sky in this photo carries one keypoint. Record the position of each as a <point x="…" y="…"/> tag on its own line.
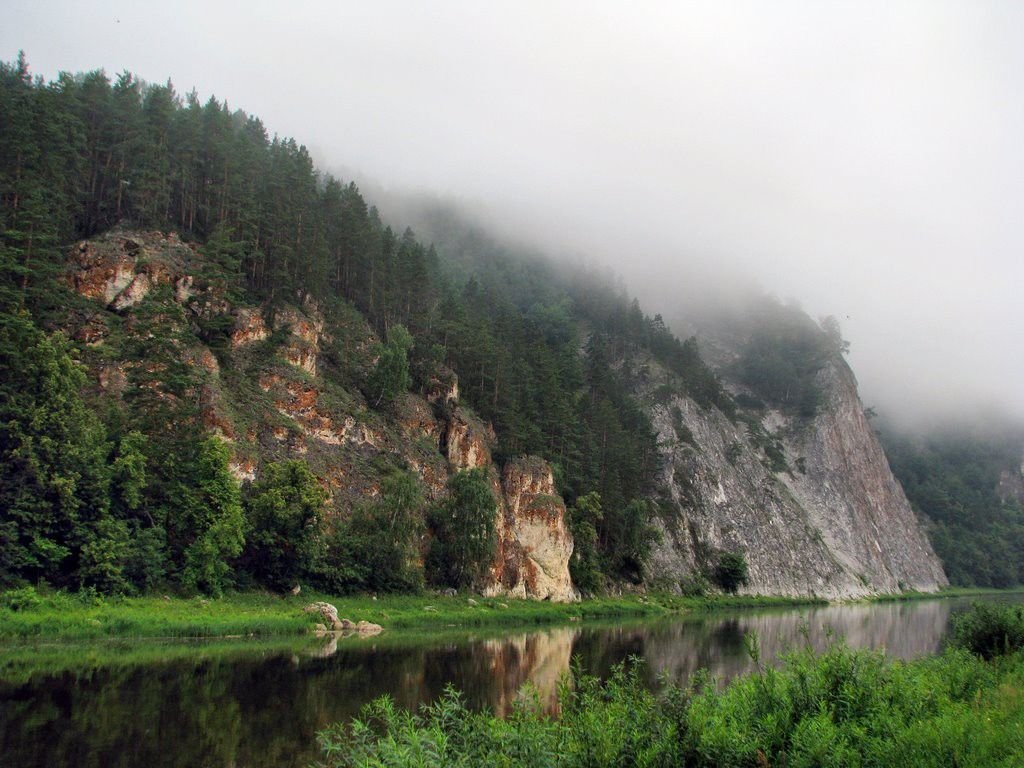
<point x="865" y="159"/>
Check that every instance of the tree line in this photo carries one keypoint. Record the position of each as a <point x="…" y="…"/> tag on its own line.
<point x="540" y="355"/>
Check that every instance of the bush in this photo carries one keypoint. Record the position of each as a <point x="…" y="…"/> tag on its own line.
<point x="695" y="584"/>
<point x="22" y="599"/>
<point x="990" y="630"/>
<point x="731" y="571"/>
<point x="283" y="510"/>
<point x="375" y="549"/>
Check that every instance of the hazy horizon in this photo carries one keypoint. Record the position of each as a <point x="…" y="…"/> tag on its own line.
<point x="861" y="159"/>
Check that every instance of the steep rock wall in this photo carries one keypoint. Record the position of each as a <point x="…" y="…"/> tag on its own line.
<point x="534" y="543"/>
<point x="836" y="524"/>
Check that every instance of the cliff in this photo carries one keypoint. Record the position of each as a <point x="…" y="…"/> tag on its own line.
<point x="278" y="382"/>
<point x="810" y="502"/>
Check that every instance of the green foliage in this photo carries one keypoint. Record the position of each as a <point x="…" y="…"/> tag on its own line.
<point x="585" y="565"/>
<point x="84" y="153"/>
<point x="54" y="478"/>
<point x="730" y="571"/>
<point x="990" y="630"/>
<point x="627" y="537"/>
<point x="465" y="533"/>
<point x="283" y="513"/>
<point x="952" y="478"/>
<point x="217" y="523"/>
<point x="784" y="354"/>
<point x="376" y="549"/>
<point x="839" y="708"/>
<point x="391" y="376"/>
<point x="695" y="584"/>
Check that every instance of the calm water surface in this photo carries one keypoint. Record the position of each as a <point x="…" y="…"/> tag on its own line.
<point x="256" y="704"/>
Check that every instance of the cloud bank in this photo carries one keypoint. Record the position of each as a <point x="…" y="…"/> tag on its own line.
<point x="864" y="159"/>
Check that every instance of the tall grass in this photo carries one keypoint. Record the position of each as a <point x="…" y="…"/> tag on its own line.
<point x="843" y="707"/>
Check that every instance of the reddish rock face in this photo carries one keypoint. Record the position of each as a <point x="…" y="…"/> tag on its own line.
<point x="306" y="330"/>
<point x="249" y="327"/>
<point x="102" y="273"/>
<point x="534" y="543"/>
<point x="120" y="269"/>
<point x="467" y="441"/>
<point x="443" y="387"/>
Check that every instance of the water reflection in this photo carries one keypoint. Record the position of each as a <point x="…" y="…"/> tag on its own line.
<point x="263" y="707"/>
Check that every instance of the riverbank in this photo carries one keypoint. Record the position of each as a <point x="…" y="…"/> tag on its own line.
<point x="842" y="706"/>
<point x="948" y="592"/>
<point x="26" y="614"/>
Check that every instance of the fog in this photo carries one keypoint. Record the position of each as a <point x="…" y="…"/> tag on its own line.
<point x="862" y="158"/>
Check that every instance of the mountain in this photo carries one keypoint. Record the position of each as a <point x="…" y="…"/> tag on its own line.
<point x="228" y="370"/>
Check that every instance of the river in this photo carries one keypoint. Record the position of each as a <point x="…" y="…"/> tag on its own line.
<point x="236" y="703"/>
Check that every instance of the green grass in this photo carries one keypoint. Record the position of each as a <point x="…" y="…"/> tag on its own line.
<point x="26" y="614"/>
<point x="842" y="707"/>
<point x="947" y="592"/>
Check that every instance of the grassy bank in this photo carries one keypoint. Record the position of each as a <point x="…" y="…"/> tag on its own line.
<point x="27" y="614"/>
<point x="839" y="708"/>
<point x="948" y="592"/>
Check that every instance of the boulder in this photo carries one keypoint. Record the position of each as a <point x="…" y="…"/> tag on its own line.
<point x="327" y="611"/>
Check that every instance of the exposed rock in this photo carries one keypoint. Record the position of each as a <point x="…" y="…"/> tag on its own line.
<point x="120" y="269"/>
<point x="243" y="470"/>
<point x="249" y="327"/>
<point x="1011" y="484"/>
<point x="304" y="339"/>
<point x="840" y="528"/>
<point x="442" y="387"/>
<point x="133" y="293"/>
<point x="102" y="272"/>
<point x="467" y="441"/>
<point x="112" y="379"/>
<point x="368" y="628"/>
<point x="91" y="331"/>
<point x="327" y="611"/>
<point x="183" y="289"/>
<point x="534" y="543"/>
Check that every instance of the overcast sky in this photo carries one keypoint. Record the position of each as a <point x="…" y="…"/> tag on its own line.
<point x="864" y="158"/>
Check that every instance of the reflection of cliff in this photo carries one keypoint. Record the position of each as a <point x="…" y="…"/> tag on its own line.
<point x="539" y="660"/>
<point x="903" y="630"/>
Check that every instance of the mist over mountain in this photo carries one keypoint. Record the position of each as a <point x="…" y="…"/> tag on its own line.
<point x="863" y="161"/>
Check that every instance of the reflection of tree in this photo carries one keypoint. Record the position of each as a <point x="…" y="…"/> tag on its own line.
<point x="265" y="707"/>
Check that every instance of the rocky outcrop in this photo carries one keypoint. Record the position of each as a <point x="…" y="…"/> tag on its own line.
<point x="834" y="524"/>
<point x="1011" y="484"/>
<point x="467" y="440"/>
<point x="299" y="401"/>
<point x="121" y="268"/>
<point x="534" y="543"/>
<point x="249" y="327"/>
<point x="852" y="498"/>
<point x="305" y="331"/>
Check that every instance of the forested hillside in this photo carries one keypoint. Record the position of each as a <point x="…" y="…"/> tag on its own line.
<point x="968" y="483"/>
<point x="132" y="492"/>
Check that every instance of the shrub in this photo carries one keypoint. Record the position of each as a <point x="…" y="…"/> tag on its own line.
<point x="731" y="571"/>
<point x="840" y="708"/>
<point x="990" y="630"/>
<point x="375" y="549"/>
